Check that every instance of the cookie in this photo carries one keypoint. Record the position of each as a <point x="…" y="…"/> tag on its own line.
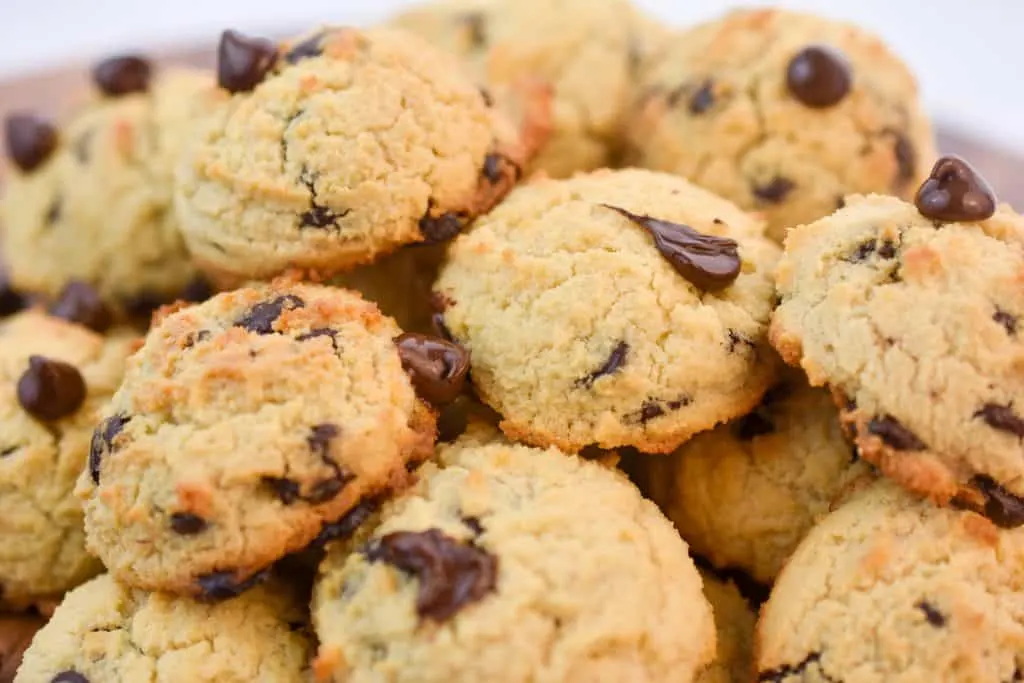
<point x="891" y="588"/>
<point x="745" y="493"/>
<point x="91" y="200"/>
<point x="56" y="377"/>
<point x="619" y="308"/>
<point x="912" y="322"/>
<point x="783" y="113"/>
<point x="500" y="567"/>
<point x="335" y="149"/>
<point x="105" y="631"/>
<point x="734" y="633"/>
<point x="583" y="53"/>
<point x="244" y="429"/>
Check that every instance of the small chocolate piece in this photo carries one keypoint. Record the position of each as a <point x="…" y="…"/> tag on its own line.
<point x="775" y="191"/>
<point x="819" y="76"/>
<point x="320" y="332"/>
<point x="752" y="425"/>
<point x="648" y="411"/>
<point x="1001" y="507"/>
<point x="737" y="339"/>
<point x="934" y="616"/>
<point x="187" y="524"/>
<point x="217" y="586"/>
<point x="795" y="672"/>
<point x="437" y="229"/>
<point x="287" y="490"/>
<point x="307" y="49"/>
<point x="436" y="367"/>
<point x="319" y="442"/>
<point x="80" y="303"/>
<point x="955" y="192"/>
<point x="895" y="435"/>
<point x="492" y="168"/>
<point x="261" y="317"/>
<point x="50" y="389"/>
<point x="451" y="573"/>
<point x="702" y="99"/>
<point x="11" y="300"/>
<point x="474" y="525"/>
<point x="1007" y="320"/>
<point x="1002" y="418"/>
<point x="320" y="217"/>
<point x="887" y="249"/>
<point x="69" y="676"/>
<point x="194" y="338"/>
<point x="122" y="75"/>
<point x="103" y="441"/>
<point x="616" y="359"/>
<point x="30" y="140"/>
<point x="708" y="262"/>
<point x="346" y="526"/>
<point x="476" y="26"/>
<point x="242" y="61"/>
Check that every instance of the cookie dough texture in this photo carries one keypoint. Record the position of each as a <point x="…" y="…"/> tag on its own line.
<point x="43" y="550"/>
<point x="891" y="588"/>
<point x="746" y="493"/>
<point x="243" y="426"/>
<point x="583" y="53"/>
<point x="356" y="143"/>
<point x="552" y="286"/>
<point x="914" y="326"/>
<point x="734" y="629"/>
<point x="99" y="209"/>
<point x="107" y="632"/>
<point x="713" y="106"/>
<point x="585" y="591"/>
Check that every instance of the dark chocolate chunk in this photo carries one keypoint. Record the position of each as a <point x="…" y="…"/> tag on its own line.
<point x="794" y="671"/>
<point x="895" y="435"/>
<point x="616" y="359"/>
<point x="774" y="191"/>
<point x="752" y="425"/>
<point x="287" y="490"/>
<point x="1001" y="507"/>
<point x="436" y="367"/>
<point x="243" y="61"/>
<point x="319" y="442"/>
<point x="934" y="616"/>
<point x="261" y="317"/>
<point x="819" y="76"/>
<point x="307" y="49"/>
<point x="320" y="332"/>
<point x="650" y="410"/>
<point x="492" y="168"/>
<point x="103" y="442"/>
<point x="906" y="159"/>
<point x="702" y="99"/>
<point x="187" y="524"/>
<point x="347" y="525"/>
<point x="451" y="573"/>
<point x="476" y="26"/>
<point x="955" y="192"/>
<point x="197" y="290"/>
<point x="54" y="211"/>
<point x="50" y="389"/>
<point x="708" y="262"/>
<point x="1002" y="418"/>
<point x="69" y="676"/>
<point x="887" y="249"/>
<point x="122" y="75"/>
<point x="1007" y="320"/>
<point x="437" y="229"/>
<point x="217" y="586"/>
<point x="320" y="217"/>
<point x="11" y="300"/>
<point x="474" y="525"/>
<point x="30" y="140"/>
<point x="79" y="302"/>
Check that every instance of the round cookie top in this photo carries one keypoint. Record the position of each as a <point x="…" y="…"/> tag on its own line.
<point x="55" y="378"/>
<point x="891" y="588"/>
<point x="585" y="53"/>
<point x="744" y="494"/>
<point x="92" y="200"/>
<point x="106" y="631"/>
<point x="615" y="308"/>
<point x="244" y="427"/>
<point x="912" y="321"/>
<point x="336" y="148"/>
<point x="508" y="539"/>
<point x="782" y="112"/>
<point x="734" y="633"/>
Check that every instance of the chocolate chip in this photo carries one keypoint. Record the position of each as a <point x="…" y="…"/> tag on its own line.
<point x="1007" y="320"/>
<point x="616" y="359"/>
<point x="474" y="525"/>
<point x="197" y="290"/>
<point x="187" y="524"/>
<point x="934" y="616"/>
<point x="955" y="192"/>
<point x="648" y="411"/>
<point x="103" y="441"/>
<point x="50" y="389"/>
<point x="11" y="300"/>
<point x="1001" y="507"/>
<point x="320" y="332"/>
<point x="69" y="676"/>
<point x="242" y="61"/>
<point x="708" y="262"/>
<point x="347" y="525"/>
<point x="476" y="26"/>
<point x="736" y="340"/>
<point x="887" y="250"/>
<point x="122" y="75"/>
<point x="906" y="159"/>
<point x="451" y="573"/>
<point x="796" y="671"/>
<point x="319" y="443"/>
<point x="1002" y="418"/>
<point x="493" y="168"/>
<point x="819" y="76"/>
<point x="652" y="408"/>
<point x="261" y="317"/>
<point x="436" y="367"/>
<point x="287" y="490"/>
<point x="80" y="303"/>
<point x="320" y="217"/>
<point x="30" y="140"/>
<point x="752" y="425"/>
<point x="194" y="338"/>
<point x="224" y="585"/>
<point x="702" y="99"/>
<point x="895" y="435"/>
<point x="437" y="229"/>
<point x="54" y="211"/>
<point x="307" y="49"/>
<point x="775" y="191"/>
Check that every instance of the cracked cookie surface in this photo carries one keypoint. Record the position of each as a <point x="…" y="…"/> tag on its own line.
<point x="715" y="106"/>
<point x="354" y="144"/>
<point x="734" y="633"/>
<point x="582" y="331"/>
<point x="891" y="588"/>
<point x="244" y="428"/>
<point x="104" y="632"/>
<point x="913" y="324"/>
<point x="503" y="539"/>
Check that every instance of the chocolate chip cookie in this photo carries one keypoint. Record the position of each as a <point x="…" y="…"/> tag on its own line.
<point x="619" y="308"/>
<point x="734" y="631"/>
<point x="513" y="564"/>
<point x="105" y="631"/>
<point x="247" y="426"/>
<point x="337" y="148"/>
<point x="783" y="113"/>
<point x="891" y="588"/>
<point x="56" y="377"/>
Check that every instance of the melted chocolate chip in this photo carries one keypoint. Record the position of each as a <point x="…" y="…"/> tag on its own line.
<point x="476" y="27"/>
<point x="122" y="75"/>
<point x="451" y="573"/>
<point x="819" y="76"/>
<point x="319" y="442"/>
<point x="616" y="359"/>
<point x="774" y="191"/>
<point x="1001" y="507"/>
<point x="895" y="435"/>
<point x="307" y="49"/>
<point x="320" y="332"/>
<point x="887" y="250"/>
<point x="794" y="671"/>
<point x="103" y="442"/>
<point x="80" y="303"/>
<point x="11" y="300"/>
<point x="1002" y="418"/>
<point x="69" y="676"/>
<point x="187" y="524"/>
<point x="50" y="389"/>
<point x="648" y="411"/>
<point x="224" y="585"/>
<point x="320" y="217"/>
<point x="934" y="616"/>
<point x="706" y="261"/>
<point x="261" y="317"/>
<point x="955" y="192"/>
<point x="752" y="425"/>
<point x="436" y="367"/>
<point x="702" y="99"/>
<point x="347" y="525"/>
<point x="1007" y="320"/>
<point x="474" y="525"/>
<point x="437" y="229"/>
<point x="287" y="490"/>
<point x="30" y="140"/>
<point x="243" y="62"/>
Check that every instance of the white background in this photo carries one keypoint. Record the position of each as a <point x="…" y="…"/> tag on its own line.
<point x="968" y="53"/>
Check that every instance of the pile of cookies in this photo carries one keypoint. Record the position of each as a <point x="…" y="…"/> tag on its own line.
<point x="511" y="341"/>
